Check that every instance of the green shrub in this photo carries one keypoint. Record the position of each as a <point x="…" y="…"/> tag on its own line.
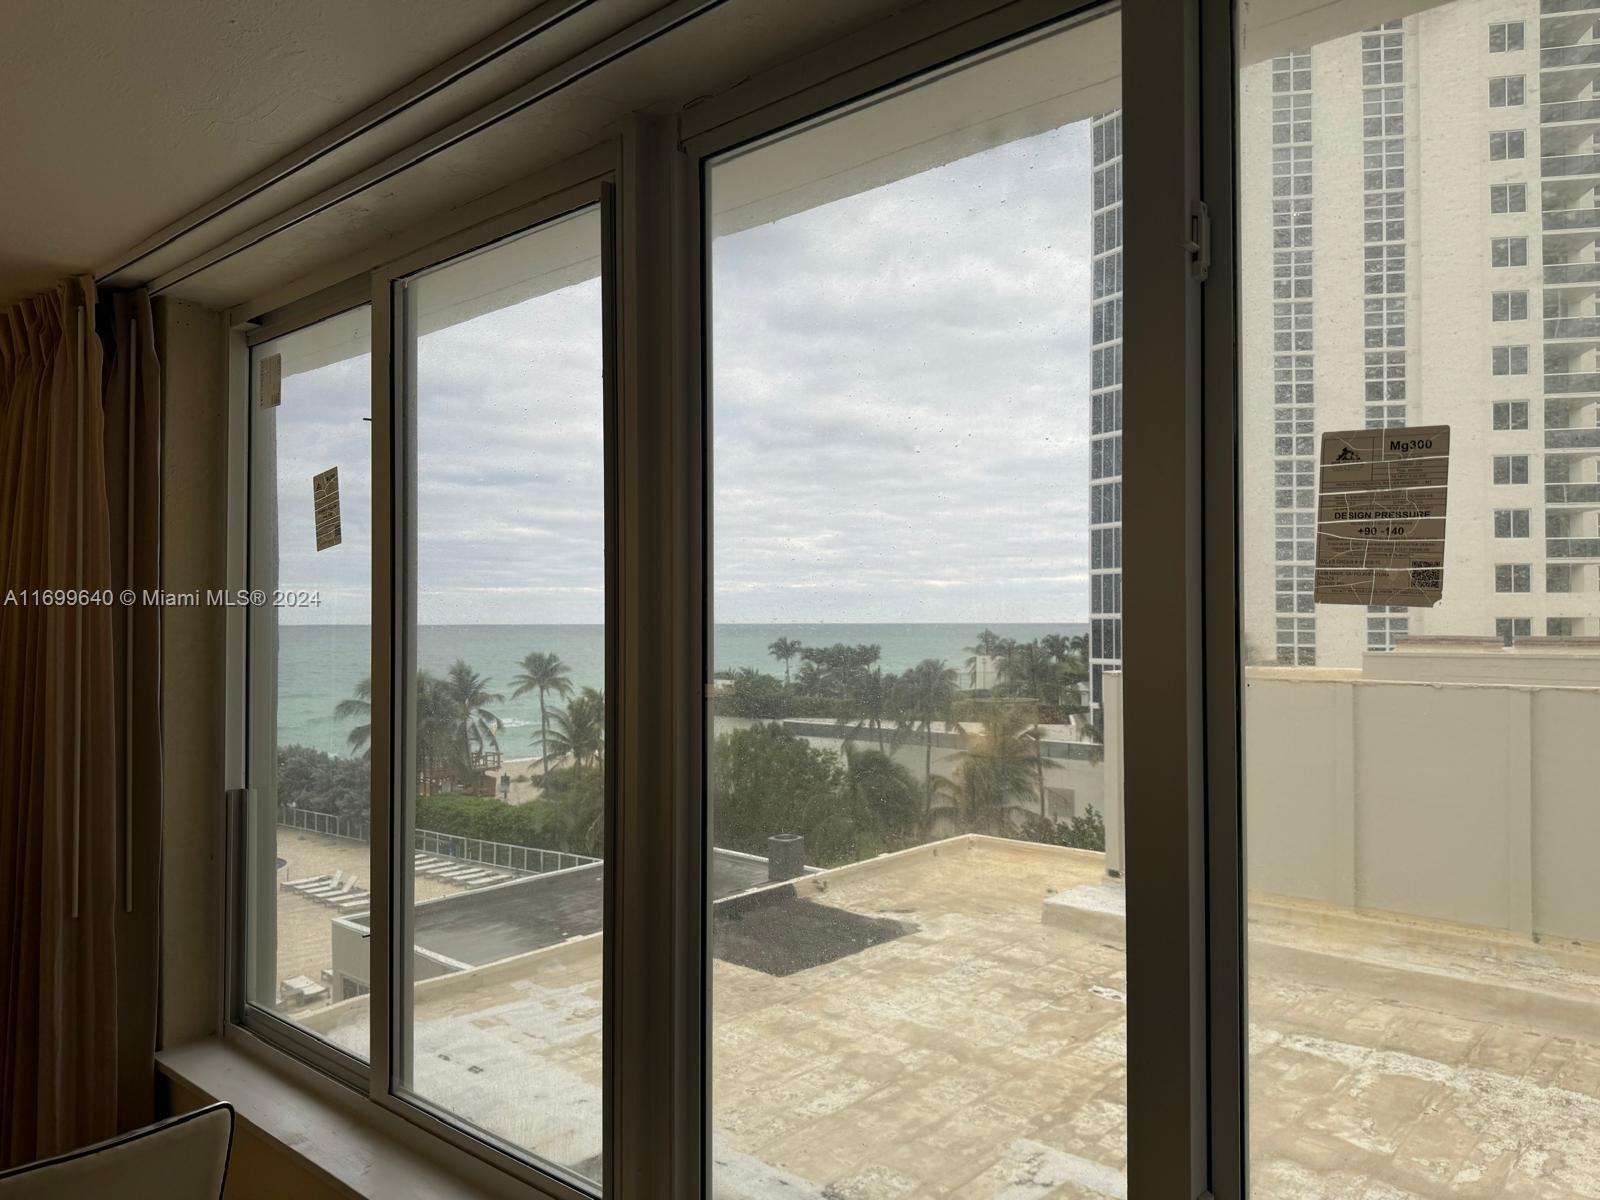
<point x="319" y="782"/>
<point x="1087" y="832"/>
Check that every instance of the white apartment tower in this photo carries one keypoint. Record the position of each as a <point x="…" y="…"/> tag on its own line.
<point x="1420" y="244"/>
<point x="1105" y="403"/>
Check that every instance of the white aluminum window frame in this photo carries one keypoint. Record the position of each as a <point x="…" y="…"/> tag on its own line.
<point x="1511" y="522"/>
<point x="1507" y="137"/>
<point x="1512" y="91"/>
<point x="1506" y="198"/>
<point x="1505" y="360"/>
<point x="1505" y="29"/>
<point x="1515" y="249"/>
<point x="1511" y="461"/>
<point x="1186" y="1047"/>
<point x="1511" y="408"/>
<point x="580" y="183"/>
<point x="1514" y="311"/>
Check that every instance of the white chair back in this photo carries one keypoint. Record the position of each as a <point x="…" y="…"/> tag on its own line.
<point x="182" y="1158"/>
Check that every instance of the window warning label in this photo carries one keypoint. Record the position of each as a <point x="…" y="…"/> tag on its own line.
<point x="325" y="508"/>
<point x="1381" y="516"/>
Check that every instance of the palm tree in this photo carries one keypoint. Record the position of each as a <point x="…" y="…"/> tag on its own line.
<point x="927" y="692"/>
<point x="543" y="673"/>
<point x="992" y="771"/>
<point x="783" y="650"/>
<point x="880" y="796"/>
<point x="358" y="707"/>
<point x="1056" y="645"/>
<point x="1036" y="736"/>
<point x="872" y="698"/>
<point x="989" y="645"/>
<point x="580" y="729"/>
<point x="472" y="726"/>
<point x="436" y="742"/>
<point x="1030" y="670"/>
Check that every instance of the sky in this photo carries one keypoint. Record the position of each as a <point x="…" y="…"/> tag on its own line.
<point x="900" y="421"/>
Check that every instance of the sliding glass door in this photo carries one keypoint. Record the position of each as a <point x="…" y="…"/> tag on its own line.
<point x="915" y="871"/>
<point x="1420" y="432"/>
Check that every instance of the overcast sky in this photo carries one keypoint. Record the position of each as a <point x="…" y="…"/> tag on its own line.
<point x="900" y="425"/>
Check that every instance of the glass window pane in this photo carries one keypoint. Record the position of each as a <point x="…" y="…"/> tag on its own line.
<point x="919" y="984"/>
<point x="310" y="660"/>
<point x="1423" y="903"/>
<point x="501" y="996"/>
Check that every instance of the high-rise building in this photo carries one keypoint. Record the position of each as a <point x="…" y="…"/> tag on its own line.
<point x="1105" y="403"/>
<point x="1419" y="236"/>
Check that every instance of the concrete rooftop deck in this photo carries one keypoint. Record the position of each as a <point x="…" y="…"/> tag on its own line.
<point x="981" y="1054"/>
<point x="305" y="939"/>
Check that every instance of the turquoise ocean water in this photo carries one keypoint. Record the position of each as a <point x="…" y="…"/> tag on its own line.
<point x="318" y="665"/>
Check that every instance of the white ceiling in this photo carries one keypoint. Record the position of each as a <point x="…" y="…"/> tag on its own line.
<point x="117" y="117"/>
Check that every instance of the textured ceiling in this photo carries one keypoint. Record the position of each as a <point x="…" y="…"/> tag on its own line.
<point x="120" y="116"/>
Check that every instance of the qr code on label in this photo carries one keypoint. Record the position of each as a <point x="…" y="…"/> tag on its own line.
<point x="1429" y="578"/>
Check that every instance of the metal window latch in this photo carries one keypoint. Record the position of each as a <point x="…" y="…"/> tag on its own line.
<point x="1199" y="243"/>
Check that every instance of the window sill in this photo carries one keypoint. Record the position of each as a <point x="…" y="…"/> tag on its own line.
<point x="337" y="1134"/>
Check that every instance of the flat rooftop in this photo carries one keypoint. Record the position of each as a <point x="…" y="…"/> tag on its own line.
<point x="508" y="919"/>
<point x="305" y="943"/>
<point x="966" y="1046"/>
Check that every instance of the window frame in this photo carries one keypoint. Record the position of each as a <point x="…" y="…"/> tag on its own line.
<point x="1189" y="1001"/>
<point x="1508" y="356"/>
<point x="1198" y="998"/>
<point x="1511" y="298"/>
<point x="1511" y="410"/>
<point x="246" y="816"/>
<point x="1509" y="197"/>
<point x="1511" y="245"/>
<point x="394" y="699"/>
<point x="1505" y="29"/>
<point x="1521" y="136"/>
<point x="572" y="186"/>
<point x="1509" y="85"/>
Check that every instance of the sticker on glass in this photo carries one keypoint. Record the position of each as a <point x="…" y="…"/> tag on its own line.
<point x="325" y="507"/>
<point x="269" y="384"/>
<point x="1381" y="516"/>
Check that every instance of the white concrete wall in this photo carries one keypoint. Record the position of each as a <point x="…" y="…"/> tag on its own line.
<point x="1473" y="803"/>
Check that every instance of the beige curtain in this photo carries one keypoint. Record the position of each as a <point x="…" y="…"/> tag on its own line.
<point x="80" y="772"/>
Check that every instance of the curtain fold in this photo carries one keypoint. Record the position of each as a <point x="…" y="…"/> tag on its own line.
<point x="79" y="719"/>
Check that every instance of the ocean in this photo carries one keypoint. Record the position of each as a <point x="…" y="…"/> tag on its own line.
<point x="319" y="665"/>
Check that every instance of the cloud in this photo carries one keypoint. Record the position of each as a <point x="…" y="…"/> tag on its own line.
<point x="900" y="416"/>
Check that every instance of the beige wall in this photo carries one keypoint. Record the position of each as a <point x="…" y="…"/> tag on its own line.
<point x="258" y="1169"/>
<point x="194" y="465"/>
<point x="1472" y="802"/>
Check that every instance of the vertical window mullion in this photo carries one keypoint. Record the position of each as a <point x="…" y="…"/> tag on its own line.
<point x="1164" y="657"/>
<point x="389" y="473"/>
<point x="1224" y="886"/>
<point x="657" y="965"/>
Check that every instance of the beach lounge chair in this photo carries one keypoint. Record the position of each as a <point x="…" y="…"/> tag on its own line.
<point x="308" y="881"/>
<point x="492" y="878"/>
<point x="322" y="889"/>
<point x="355" y="903"/>
<point x="351" y="886"/>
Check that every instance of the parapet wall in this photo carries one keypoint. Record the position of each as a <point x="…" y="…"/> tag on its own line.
<point x="1465" y="802"/>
